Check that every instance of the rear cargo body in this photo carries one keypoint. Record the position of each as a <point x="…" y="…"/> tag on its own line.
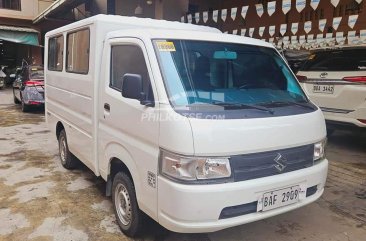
<point x="149" y="109"/>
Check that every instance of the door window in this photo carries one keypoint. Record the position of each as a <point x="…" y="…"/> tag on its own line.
<point x="129" y="59"/>
<point x="55" y="53"/>
<point x="77" y="49"/>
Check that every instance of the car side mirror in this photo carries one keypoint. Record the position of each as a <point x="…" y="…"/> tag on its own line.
<point x="132" y="89"/>
<point x="132" y="86"/>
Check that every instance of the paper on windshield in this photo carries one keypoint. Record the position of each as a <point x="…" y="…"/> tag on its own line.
<point x="166" y="46"/>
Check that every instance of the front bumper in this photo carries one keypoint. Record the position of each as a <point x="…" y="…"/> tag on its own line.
<point x="197" y="208"/>
<point x="337" y="120"/>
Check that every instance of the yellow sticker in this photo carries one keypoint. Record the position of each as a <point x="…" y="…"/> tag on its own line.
<point x="312" y="56"/>
<point x="166" y="46"/>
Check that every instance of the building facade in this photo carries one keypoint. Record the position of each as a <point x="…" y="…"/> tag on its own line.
<point x="19" y="38"/>
<point x="287" y="23"/>
<point x="73" y="10"/>
<point x="291" y="23"/>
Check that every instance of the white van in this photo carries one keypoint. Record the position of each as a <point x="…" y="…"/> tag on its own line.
<point x="197" y="129"/>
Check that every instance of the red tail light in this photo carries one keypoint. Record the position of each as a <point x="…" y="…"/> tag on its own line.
<point x="34" y="102"/>
<point x="33" y="83"/>
<point x="362" y="121"/>
<point x="301" y="78"/>
<point x="357" y="79"/>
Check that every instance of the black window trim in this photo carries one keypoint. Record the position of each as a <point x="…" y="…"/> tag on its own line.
<point x="63" y="53"/>
<point x="67" y="44"/>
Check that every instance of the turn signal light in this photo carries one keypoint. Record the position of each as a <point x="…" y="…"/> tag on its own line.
<point x="356" y="79"/>
<point x="301" y="78"/>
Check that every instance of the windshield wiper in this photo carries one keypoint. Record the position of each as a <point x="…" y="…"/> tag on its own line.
<point x="305" y="104"/>
<point x="241" y="105"/>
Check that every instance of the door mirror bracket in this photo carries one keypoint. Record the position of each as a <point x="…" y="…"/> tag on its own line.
<point x="144" y="101"/>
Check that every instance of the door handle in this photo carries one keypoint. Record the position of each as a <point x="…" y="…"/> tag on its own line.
<point x="107" y="107"/>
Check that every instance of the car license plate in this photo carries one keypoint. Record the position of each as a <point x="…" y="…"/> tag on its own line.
<point x="280" y="198"/>
<point x="324" y="89"/>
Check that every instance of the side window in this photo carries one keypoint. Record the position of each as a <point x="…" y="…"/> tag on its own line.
<point x="55" y="53"/>
<point x="129" y="59"/>
<point x="77" y="48"/>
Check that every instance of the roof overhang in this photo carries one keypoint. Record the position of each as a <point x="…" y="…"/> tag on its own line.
<point x="56" y="8"/>
<point x="19" y="35"/>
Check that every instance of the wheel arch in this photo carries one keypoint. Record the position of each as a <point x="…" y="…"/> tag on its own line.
<point x="120" y="160"/>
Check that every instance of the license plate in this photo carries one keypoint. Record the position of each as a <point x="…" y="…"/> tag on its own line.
<point x="324" y="89"/>
<point x="280" y="198"/>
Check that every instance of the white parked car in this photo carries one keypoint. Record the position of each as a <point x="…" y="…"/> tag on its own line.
<point x="197" y="129"/>
<point x="335" y="80"/>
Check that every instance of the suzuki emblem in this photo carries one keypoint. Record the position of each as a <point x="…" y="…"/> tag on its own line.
<point x="281" y="162"/>
<point x="323" y="75"/>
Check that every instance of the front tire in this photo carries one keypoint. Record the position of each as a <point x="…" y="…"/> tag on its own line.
<point x="129" y="217"/>
<point x="68" y="161"/>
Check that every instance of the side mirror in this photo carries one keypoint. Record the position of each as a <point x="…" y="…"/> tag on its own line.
<point x="132" y="89"/>
<point x="132" y="86"/>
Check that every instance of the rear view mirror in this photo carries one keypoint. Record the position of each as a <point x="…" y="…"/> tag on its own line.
<point x="132" y="86"/>
<point x="132" y="89"/>
<point x="228" y="55"/>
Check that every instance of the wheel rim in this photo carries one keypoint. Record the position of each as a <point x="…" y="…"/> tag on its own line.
<point x="123" y="204"/>
<point x="62" y="149"/>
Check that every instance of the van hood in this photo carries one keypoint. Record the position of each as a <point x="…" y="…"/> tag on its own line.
<point x="243" y="136"/>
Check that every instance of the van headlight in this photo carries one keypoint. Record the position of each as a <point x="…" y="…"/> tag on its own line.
<point x="319" y="150"/>
<point x="189" y="168"/>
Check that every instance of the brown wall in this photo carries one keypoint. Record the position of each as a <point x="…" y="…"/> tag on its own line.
<point x="325" y="8"/>
<point x="30" y="53"/>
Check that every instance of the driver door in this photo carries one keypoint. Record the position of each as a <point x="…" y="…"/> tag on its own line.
<point x="123" y="128"/>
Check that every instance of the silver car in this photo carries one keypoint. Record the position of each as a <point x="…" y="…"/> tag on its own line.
<point x="28" y="87"/>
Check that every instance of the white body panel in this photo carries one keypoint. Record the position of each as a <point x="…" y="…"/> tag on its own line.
<point x="256" y="135"/>
<point x="97" y="136"/>
<point x="181" y="212"/>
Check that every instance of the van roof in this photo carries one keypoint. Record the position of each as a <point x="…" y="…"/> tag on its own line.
<point x="157" y="29"/>
<point x="134" y="22"/>
<point x="188" y="35"/>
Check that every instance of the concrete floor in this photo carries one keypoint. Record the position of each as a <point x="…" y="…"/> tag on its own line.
<point x="39" y="200"/>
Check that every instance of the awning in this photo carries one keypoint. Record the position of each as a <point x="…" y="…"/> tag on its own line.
<point x="19" y="35"/>
<point x="57" y="8"/>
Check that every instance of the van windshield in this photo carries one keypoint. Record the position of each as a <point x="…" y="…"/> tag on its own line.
<point x="226" y="74"/>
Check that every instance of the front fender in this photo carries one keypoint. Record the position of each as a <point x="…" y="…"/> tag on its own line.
<point x="116" y="150"/>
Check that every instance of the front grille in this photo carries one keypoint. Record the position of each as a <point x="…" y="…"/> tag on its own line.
<point x="235" y="211"/>
<point x="264" y="164"/>
<point x="311" y="191"/>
